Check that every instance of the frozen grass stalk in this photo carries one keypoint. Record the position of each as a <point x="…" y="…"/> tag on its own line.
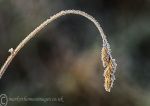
<point x="108" y="62"/>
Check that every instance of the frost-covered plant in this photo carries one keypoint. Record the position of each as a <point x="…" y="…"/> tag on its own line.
<point x="108" y="62"/>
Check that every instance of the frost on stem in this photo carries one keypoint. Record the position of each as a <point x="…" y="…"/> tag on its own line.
<point x="108" y="62"/>
<point x="11" y="50"/>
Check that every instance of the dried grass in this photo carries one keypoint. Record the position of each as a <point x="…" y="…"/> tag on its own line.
<point x="108" y="62"/>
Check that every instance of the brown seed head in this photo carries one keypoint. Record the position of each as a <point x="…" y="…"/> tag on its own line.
<point x="104" y="56"/>
<point x="109" y="65"/>
<point x="108" y="74"/>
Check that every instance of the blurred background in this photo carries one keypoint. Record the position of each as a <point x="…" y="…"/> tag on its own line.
<point x="64" y="59"/>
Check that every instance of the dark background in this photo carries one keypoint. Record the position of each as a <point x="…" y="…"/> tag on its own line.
<point x="64" y="59"/>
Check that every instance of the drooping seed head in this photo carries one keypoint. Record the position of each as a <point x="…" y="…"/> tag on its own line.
<point x="110" y="67"/>
<point x="105" y="56"/>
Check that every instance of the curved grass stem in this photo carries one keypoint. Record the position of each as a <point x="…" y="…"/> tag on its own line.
<point x="14" y="52"/>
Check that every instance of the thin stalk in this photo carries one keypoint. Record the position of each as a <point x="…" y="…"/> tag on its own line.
<point x="14" y="52"/>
